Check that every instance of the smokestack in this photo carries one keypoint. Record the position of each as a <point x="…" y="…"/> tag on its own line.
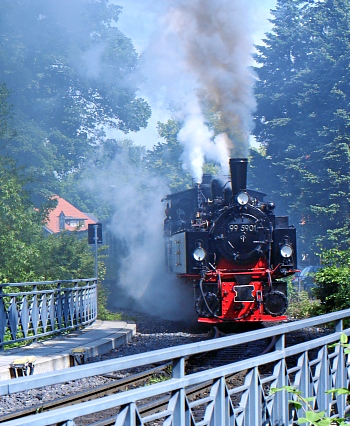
<point x="238" y="170"/>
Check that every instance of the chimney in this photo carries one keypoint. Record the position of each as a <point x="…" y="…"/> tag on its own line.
<point x="238" y="170"/>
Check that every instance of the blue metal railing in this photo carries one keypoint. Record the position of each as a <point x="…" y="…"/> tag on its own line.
<point x="313" y="367"/>
<point x="32" y="310"/>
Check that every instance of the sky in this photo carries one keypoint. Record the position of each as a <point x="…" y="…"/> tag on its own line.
<point x="138" y="21"/>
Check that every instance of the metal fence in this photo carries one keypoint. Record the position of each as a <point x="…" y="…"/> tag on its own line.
<point x="312" y="366"/>
<point x="29" y="311"/>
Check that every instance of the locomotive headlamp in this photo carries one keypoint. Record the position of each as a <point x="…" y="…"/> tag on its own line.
<point x="199" y="254"/>
<point x="286" y="250"/>
<point x="242" y="198"/>
<point x="270" y="206"/>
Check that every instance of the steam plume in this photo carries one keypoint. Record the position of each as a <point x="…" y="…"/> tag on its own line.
<point x="200" y="51"/>
<point x="137" y="222"/>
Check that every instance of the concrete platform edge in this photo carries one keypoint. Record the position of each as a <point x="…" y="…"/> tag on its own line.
<point x="94" y="340"/>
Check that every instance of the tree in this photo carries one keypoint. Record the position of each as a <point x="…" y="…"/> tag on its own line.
<point x="70" y="72"/>
<point x="20" y="227"/>
<point x="165" y="157"/>
<point x="65" y="257"/>
<point x="303" y="116"/>
<point x="26" y="254"/>
<point x="5" y="113"/>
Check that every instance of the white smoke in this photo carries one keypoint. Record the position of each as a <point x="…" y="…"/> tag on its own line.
<point x="91" y="61"/>
<point x="202" y="50"/>
<point x="199" y="50"/>
<point x="137" y="222"/>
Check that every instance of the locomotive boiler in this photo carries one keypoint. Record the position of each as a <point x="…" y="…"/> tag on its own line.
<point x="226" y="240"/>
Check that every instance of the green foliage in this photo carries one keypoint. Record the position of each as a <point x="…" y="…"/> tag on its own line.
<point x="162" y="376"/>
<point x="64" y="256"/>
<point x="302" y="117"/>
<point x="5" y="113"/>
<point x="157" y="378"/>
<point x="103" y="313"/>
<point x="165" y="157"/>
<point x="333" y="281"/>
<point x="21" y="227"/>
<point x="70" y="72"/>
<point x="26" y="255"/>
<point x="299" y="304"/>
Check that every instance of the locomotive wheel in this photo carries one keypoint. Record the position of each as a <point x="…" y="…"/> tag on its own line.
<point x="275" y="303"/>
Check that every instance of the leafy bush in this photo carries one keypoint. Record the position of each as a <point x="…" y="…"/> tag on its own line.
<point x="333" y="282"/>
<point x="299" y="304"/>
<point x="64" y="257"/>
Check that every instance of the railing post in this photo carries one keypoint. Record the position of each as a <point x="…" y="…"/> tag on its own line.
<point x="35" y="312"/>
<point x="340" y="371"/>
<point x="253" y="413"/>
<point x="2" y="320"/>
<point x="280" y="404"/>
<point x="178" y="368"/>
<point x="221" y="404"/>
<point x="95" y="299"/>
<point x="179" y="408"/>
<point x="306" y="366"/>
<point x="59" y="308"/>
<point x="339" y="326"/>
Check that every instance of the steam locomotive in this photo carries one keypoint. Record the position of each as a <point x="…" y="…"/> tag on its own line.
<point x="227" y="241"/>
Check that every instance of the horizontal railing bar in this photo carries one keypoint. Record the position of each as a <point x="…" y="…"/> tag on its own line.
<point x="34" y="283"/>
<point x="204" y="400"/>
<point x="268" y="379"/>
<point x="157" y="416"/>
<point x="330" y="338"/>
<point x="52" y="333"/>
<point x="36" y="311"/>
<point x="166" y="354"/>
<point x="105" y="403"/>
<point x="238" y="389"/>
<point x="47" y="291"/>
<point x="173" y="384"/>
<point x="48" y="333"/>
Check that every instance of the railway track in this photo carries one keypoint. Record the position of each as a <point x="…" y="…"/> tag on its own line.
<point x="149" y="408"/>
<point x="151" y="375"/>
<point x="116" y="385"/>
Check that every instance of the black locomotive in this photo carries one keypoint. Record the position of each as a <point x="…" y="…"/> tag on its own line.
<point x="226" y="240"/>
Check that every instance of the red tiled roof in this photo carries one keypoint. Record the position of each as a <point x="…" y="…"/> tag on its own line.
<point x="70" y="212"/>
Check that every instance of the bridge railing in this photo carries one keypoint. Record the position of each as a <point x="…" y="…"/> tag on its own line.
<point x="239" y="392"/>
<point x="29" y="311"/>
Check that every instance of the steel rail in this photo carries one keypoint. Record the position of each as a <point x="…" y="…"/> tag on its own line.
<point x="312" y="374"/>
<point x="128" y="382"/>
<point x="159" y="356"/>
<point x="96" y="392"/>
